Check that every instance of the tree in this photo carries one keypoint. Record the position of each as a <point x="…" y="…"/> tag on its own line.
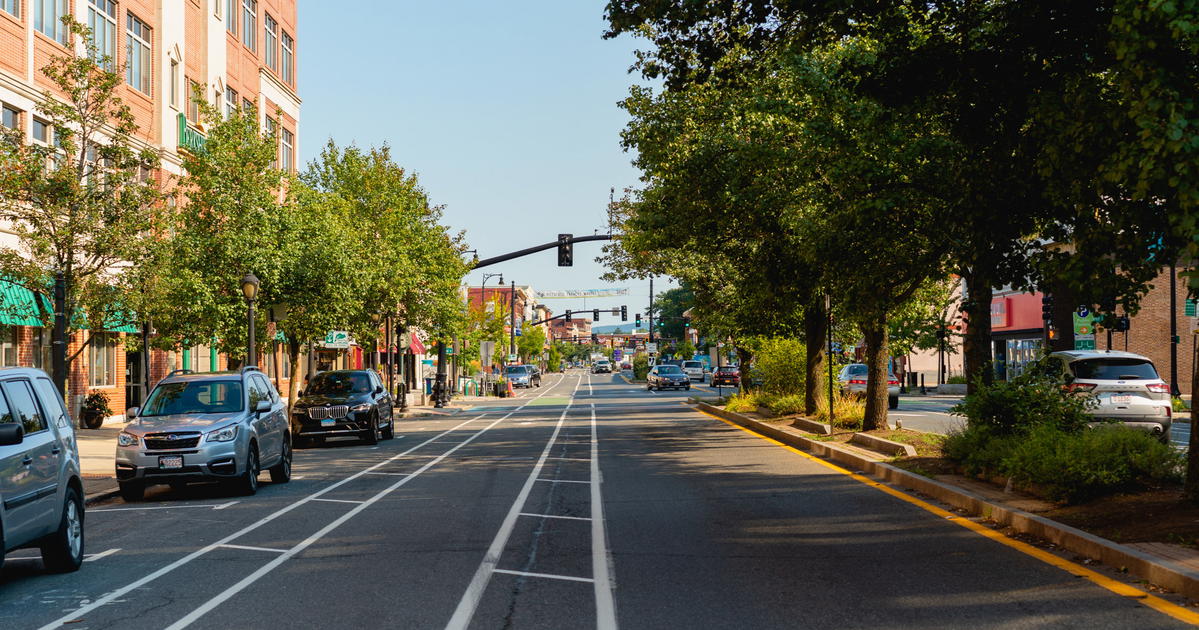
<point x="83" y="205"/>
<point x="684" y="350"/>
<point x="669" y="307"/>
<point x="531" y="343"/>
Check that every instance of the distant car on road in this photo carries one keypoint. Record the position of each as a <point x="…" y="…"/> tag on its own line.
<point x="726" y="375"/>
<point x="694" y="369"/>
<point x="854" y="377"/>
<point x="626" y="366"/>
<point x="523" y="376"/>
<point x="603" y="366"/>
<point x="1126" y="387"/>
<point x="344" y="403"/>
<point x="215" y="426"/>
<point x="41" y="492"/>
<point x="667" y="377"/>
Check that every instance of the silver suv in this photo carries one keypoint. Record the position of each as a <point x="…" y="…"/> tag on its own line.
<point x="223" y="426"/>
<point x="41" y="495"/>
<point x="1126" y="388"/>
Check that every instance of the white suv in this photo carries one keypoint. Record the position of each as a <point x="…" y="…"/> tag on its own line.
<point x="694" y="370"/>
<point x="1126" y="388"/>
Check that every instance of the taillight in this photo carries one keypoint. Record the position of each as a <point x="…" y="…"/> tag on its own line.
<point x="1080" y="387"/>
<point x="1158" y="388"/>
<point x="893" y="382"/>
<point x="856" y="381"/>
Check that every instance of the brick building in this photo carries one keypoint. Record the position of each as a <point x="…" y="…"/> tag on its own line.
<point x="238" y="53"/>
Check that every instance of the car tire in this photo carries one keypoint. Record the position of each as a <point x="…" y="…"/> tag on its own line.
<point x="893" y="402"/>
<point x="649" y="388"/>
<point x="389" y="432"/>
<point x="371" y="434"/>
<point x="688" y="388"/>
<point x="62" y="551"/>
<point x="247" y="483"/>
<point x="281" y="472"/>
<point x="132" y="491"/>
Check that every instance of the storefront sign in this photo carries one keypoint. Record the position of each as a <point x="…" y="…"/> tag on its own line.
<point x="189" y="138"/>
<point x="1084" y="329"/>
<point x="338" y="339"/>
<point x="999" y="312"/>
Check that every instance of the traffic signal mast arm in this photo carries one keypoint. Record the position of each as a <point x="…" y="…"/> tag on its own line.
<point x="613" y="311"/>
<point x="532" y="250"/>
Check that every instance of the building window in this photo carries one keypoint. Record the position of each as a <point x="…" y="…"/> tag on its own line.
<point x="230" y="101"/>
<point x="247" y="105"/>
<point x="137" y="54"/>
<point x="47" y="18"/>
<point x="289" y="48"/>
<point x="9" y="346"/>
<point x="201" y="359"/>
<point x="12" y="6"/>
<point x="270" y="35"/>
<point x="193" y="103"/>
<point x="231" y="16"/>
<point x="249" y="22"/>
<point x="174" y="84"/>
<point x="102" y="19"/>
<point x="272" y="130"/>
<point x="41" y="131"/>
<point x="41" y="349"/>
<point x="10" y="117"/>
<point x="286" y="148"/>
<point x="102" y="360"/>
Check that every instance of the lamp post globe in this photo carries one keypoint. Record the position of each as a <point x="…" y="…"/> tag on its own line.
<point x="249" y="289"/>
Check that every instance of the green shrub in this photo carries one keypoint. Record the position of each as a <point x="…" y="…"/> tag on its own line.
<point x="1037" y="396"/>
<point x="956" y="379"/>
<point x="1078" y="466"/>
<point x="779" y="364"/>
<point x="849" y="411"/>
<point x="1180" y="405"/>
<point x="978" y="449"/>
<point x="640" y="366"/>
<point x="745" y="401"/>
<point x="787" y="405"/>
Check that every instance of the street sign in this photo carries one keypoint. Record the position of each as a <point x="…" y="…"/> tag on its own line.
<point x="1084" y="329"/>
<point x="617" y="354"/>
<point x="518" y="331"/>
<point x="486" y="351"/>
<point x="512" y="358"/>
<point x="651" y="348"/>
<point x="339" y="339"/>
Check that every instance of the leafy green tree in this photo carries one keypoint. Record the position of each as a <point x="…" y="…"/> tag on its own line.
<point x="684" y="349"/>
<point x="531" y="343"/>
<point x="82" y="206"/>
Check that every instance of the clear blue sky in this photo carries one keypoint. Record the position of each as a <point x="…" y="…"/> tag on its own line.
<point x="505" y="110"/>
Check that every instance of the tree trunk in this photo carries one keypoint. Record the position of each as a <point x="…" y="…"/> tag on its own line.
<point x="976" y="345"/>
<point x="293" y="385"/>
<point x="1192" y="480"/>
<point x="815" y="377"/>
<point x="744" y="356"/>
<point x="875" y="335"/>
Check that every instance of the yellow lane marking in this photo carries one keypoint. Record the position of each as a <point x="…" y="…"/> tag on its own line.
<point x="1178" y="612"/>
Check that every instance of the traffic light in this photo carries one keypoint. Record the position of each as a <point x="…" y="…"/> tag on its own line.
<point x="568" y="314"/>
<point x="1047" y="307"/>
<point x="624" y="313"/>
<point x="686" y="322"/>
<point x="576" y="339"/>
<point x="566" y="254"/>
<point x="637" y="320"/>
<point x="594" y="338"/>
<point x="595" y="315"/>
<point x="1123" y="324"/>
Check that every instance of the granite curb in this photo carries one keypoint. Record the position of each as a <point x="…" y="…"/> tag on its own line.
<point x="1157" y="570"/>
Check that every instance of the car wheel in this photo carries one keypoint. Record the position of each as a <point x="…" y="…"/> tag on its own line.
<point x="893" y="402"/>
<point x="247" y="483"/>
<point x="132" y="491"/>
<point x="688" y="388"/>
<point x="62" y="551"/>
<point x="281" y="472"/>
<point x="390" y="431"/>
<point x="371" y="434"/>
<point x="649" y="388"/>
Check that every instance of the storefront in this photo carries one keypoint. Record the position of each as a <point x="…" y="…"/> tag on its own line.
<point x="1016" y="332"/>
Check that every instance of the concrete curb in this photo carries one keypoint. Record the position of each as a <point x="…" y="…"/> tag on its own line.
<point x="97" y="497"/>
<point x="812" y="426"/>
<point x="1159" y="571"/>
<point x="882" y="445"/>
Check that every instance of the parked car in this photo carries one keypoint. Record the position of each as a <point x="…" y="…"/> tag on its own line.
<point x="626" y="366"/>
<point x="1126" y="387"/>
<point x="854" y="377"/>
<point x="523" y="375"/>
<point x="214" y="426"/>
<point x="695" y="370"/>
<point x="344" y="403"/>
<point x="41" y="494"/>
<point x="667" y="377"/>
<point x="603" y="366"/>
<point x="726" y="375"/>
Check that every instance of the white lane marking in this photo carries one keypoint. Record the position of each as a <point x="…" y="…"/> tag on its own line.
<point x="605" y="606"/>
<point x="562" y="481"/>
<point x="565" y="518"/>
<point x="570" y="459"/>
<point x="377" y="472"/>
<point x="121" y="592"/>
<point x="340" y="501"/>
<point x="92" y="557"/>
<point x="474" y="591"/>
<point x="544" y="575"/>
<point x="155" y="507"/>
<point x="307" y="542"/>
<point x="249" y="548"/>
<point x="294" y="477"/>
<point x="225" y="505"/>
<point x="590" y="390"/>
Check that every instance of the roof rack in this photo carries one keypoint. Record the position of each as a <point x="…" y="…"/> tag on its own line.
<point x="248" y="368"/>
<point x="174" y="372"/>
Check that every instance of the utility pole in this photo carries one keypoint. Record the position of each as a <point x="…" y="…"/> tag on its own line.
<point x="1174" y="391"/>
<point x="512" y="313"/>
<point x="651" y="310"/>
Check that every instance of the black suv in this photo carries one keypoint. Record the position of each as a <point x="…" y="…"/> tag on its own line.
<point x="344" y="403"/>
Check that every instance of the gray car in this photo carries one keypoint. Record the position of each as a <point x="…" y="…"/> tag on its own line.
<point x="216" y="426"/>
<point x="41" y="494"/>
<point x="854" y="377"/>
<point x="1125" y="387"/>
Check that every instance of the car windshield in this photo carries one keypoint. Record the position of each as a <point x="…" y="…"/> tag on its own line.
<point x="857" y="369"/>
<point x="339" y="384"/>
<point x="669" y="369"/>
<point x="1114" y="369"/>
<point x="517" y="369"/>
<point x="727" y="368"/>
<point x="693" y="364"/>
<point x="193" y="397"/>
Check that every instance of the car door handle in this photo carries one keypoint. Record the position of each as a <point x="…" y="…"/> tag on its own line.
<point x="55" y="451"/>
<point x="28" y="461"/>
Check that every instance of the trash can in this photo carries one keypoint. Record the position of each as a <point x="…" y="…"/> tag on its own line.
<point x="428" y="387"/>
<point x="499" y="389"/>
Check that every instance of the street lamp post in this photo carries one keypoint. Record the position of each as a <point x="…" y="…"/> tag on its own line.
<point x="483" y="305"/>
<point x="512" y="314"/>
<point x="249" y="288"/>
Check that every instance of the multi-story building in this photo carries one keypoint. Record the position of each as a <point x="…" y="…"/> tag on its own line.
<point x="236" y="53"/>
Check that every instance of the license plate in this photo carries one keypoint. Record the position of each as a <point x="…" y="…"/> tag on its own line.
<point x="328" y="422"/>
<point x="170" y="461"/>
<point x="1121" y="399"/>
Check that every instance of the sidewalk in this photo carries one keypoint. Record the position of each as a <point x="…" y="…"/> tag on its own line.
<point x="97" y="461"/>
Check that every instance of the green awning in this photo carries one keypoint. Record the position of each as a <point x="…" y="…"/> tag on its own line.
<point x="20" y="306"/>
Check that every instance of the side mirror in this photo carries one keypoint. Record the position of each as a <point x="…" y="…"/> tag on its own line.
<point x="131" y="412"/>
<point x="11" y="433"/>
<point x="379" y="389"/>
<point x="300" y="393"/>
<point x="263" y="406"/>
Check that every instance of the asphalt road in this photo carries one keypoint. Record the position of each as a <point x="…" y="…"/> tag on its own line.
<point x="586" y="503"/>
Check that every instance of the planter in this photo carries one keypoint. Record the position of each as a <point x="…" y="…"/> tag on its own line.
<point x="91" y="418"/>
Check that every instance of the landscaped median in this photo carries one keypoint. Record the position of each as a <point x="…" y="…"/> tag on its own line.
<point x="1159" y="570"/>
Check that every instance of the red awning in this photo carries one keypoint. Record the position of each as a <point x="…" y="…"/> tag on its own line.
<point x="417" y="347"/>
